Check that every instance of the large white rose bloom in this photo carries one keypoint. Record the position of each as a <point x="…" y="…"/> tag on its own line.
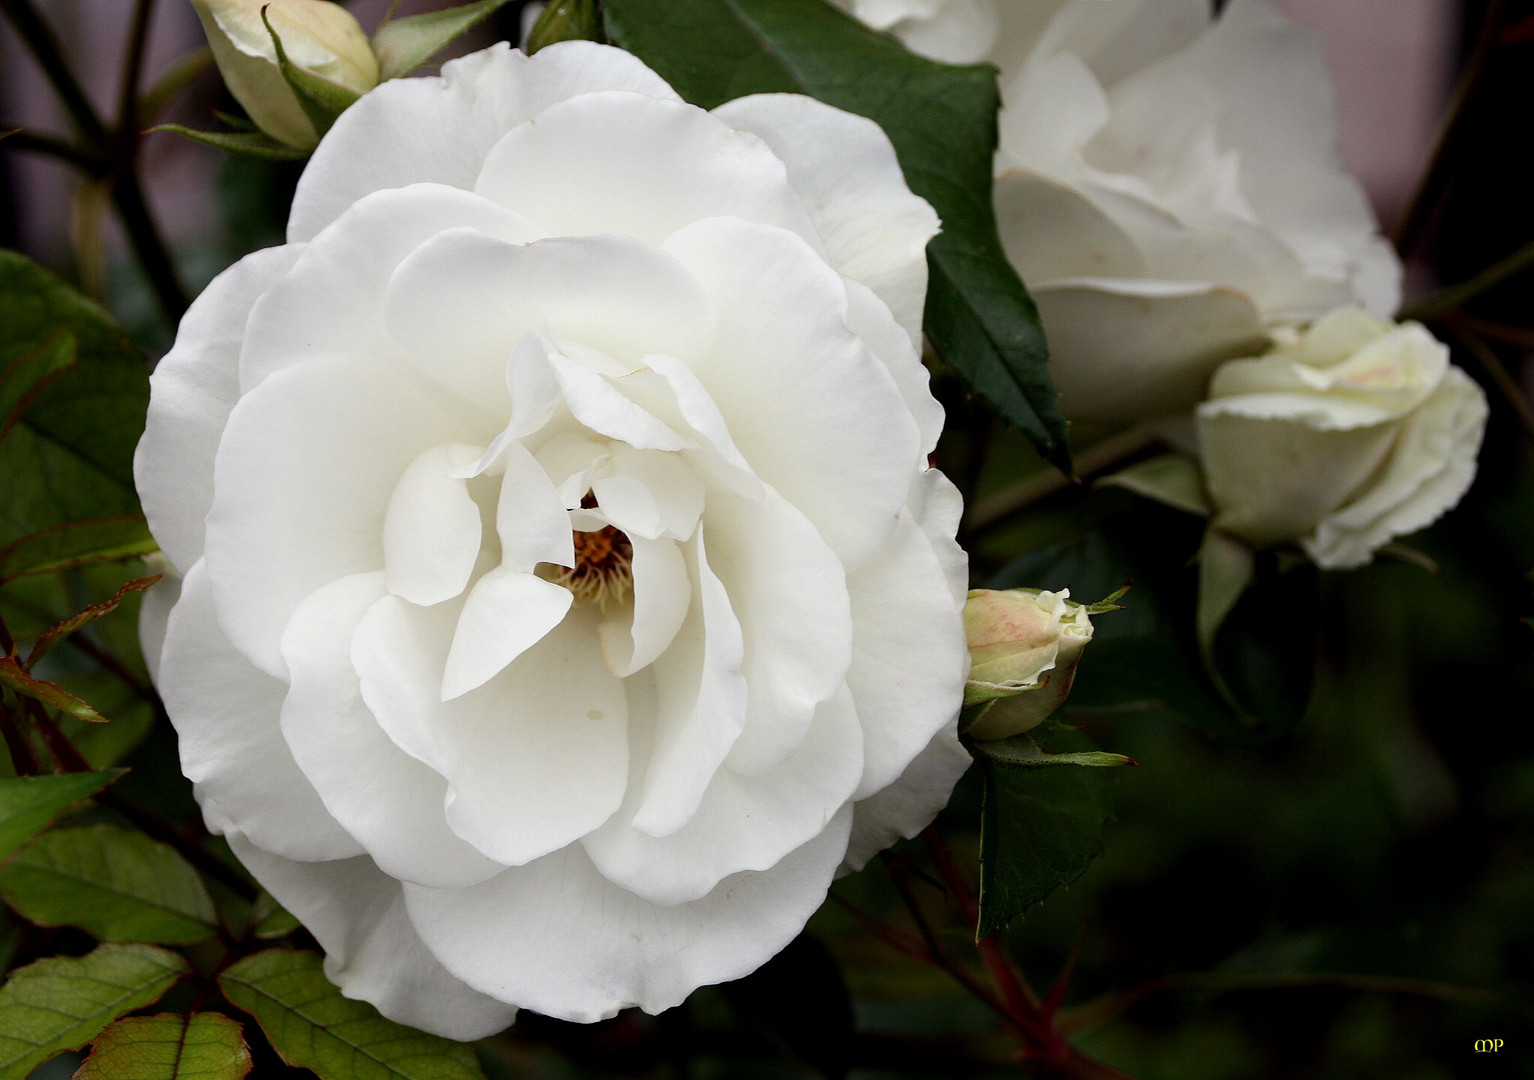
<point x="1168" y="186"/>
<point x="564" y="594"/>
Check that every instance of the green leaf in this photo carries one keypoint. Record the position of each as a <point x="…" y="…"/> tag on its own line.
<point x="76" y="543"/>
<point x="1171" y="479"/>
<point x="1039" y="829"/>
<point x="269" y="919"/>
<point x="321" y="99"/>
<point x="70" y="456"/>
<point x="1024" y="752"/>
<point x="402" y="45"/>
<point x="14" y="677"/>
<point x="29" y="375"/>
<point x="113" y="882"/>
<point x="62" y="1003"/>
<point x="255" y="144"/>
<point x="312" y="1026"/>
<point x="565" y="20"/>
<point x="202" y="1046"/>
<point x="62" y="629"/>
<point x="28" y="804"/>
<point x="942" y="120"/>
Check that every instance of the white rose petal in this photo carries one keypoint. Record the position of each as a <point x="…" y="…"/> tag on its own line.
<point x="562" y="582"/>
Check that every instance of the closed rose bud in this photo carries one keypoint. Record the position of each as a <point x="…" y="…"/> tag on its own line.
<point x="320" y="37"/>
<point x="1024" y="645"/>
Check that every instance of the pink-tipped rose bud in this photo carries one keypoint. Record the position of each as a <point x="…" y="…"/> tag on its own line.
<point x="1024" y="645"/>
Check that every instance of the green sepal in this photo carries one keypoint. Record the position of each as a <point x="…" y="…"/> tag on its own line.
<point x="321" y="99"/>
<point x="256" y="144"/>
<point x="402" y="45"/>
<point x="1024" y="752"/>
<point x="565" y="20"/>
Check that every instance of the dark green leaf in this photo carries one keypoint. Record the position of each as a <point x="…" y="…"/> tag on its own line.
<point x="62" y="1003"/>
<point x="402" y="45"/>
<point x="202" y="1046"/>
<point x="942" y="120"/>
<point x="269" y="919"/>
<point x="77" y="543"/>
<point x="250" y="143"/>
<point x="1039" y="829"/>
<point x="29" y="803"/>
<point x="14" y="677"/>
<point x="1024" y="752"/>
<point x="29" y="375"/>
<point x="799" y="996"/>
<point x="70" y="457"/>
<point x="62" y="629"/>
<point x="113" y="882"/>
<point x="311" y="1025"/>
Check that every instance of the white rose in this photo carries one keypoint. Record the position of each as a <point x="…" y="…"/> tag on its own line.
<point x="1341" y="438"/>
<point x="1168" y="187"/>
<point x="565" y="595"/>
<point x="319" y="36"/>
<point x="1022" y="639"/>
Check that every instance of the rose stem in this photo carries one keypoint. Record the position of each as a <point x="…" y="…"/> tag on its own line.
<point x="22" y="758"/>
<point x="934" y="950"/>
<point x="1482" y="351"/>
<point x="118" y="149"/>
<point x="1054" y="1056"/>
<point x="995" y="509"/>
<point x="64" y="753"/>
<point x="1440" y="168"/>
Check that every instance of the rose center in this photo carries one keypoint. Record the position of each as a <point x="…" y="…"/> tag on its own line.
<point x="604" y="565"/>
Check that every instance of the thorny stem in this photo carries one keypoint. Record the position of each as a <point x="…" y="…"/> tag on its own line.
<point x="44" y="46"/>
<point x="933" y="950"/>
<point x="133" y="68"/>
<point x="1099" y="458"/>
<point x="1498" y="373"/>
<point x="1435" y="177"/>
<point x="22" y="758"/>
<point x="114" y="152"/>
<point x="1048" y="1052"/>
<point x="64" y="753"/>
<point x="1455" y="296"/>
<point x="53" y="147"/>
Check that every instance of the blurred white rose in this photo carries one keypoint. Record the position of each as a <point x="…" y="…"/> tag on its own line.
<point x="565" y="595"/>
<point x="1169" y="187"/>
<point x="319" y="36"/>
<point x="1341" y="438"/>
<point x="1022" y="639"/>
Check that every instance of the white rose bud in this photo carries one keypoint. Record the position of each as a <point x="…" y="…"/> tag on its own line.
<point x="1354" y="432"/>
<point x="1024" y="640"/>
<point x="318" y="36"/>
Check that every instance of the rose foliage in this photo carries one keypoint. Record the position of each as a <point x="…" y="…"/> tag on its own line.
<point x="564" y="594"/>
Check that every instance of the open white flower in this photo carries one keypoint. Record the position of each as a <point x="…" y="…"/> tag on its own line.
<point x="1168" y="187"/>
<point x="565" y="595"/>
